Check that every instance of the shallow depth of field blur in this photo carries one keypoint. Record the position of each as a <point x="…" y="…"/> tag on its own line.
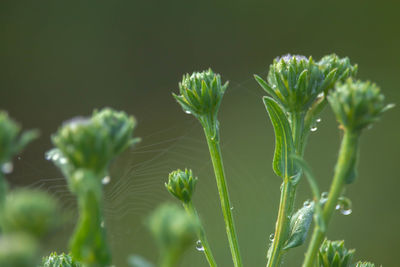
<point x="60" y="59"/>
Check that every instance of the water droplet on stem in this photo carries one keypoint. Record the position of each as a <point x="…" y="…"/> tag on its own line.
<point x="199" y="246"/>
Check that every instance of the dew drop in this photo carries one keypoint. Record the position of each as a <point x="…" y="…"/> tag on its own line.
<point x="102" y="224"/>
<point x="55" y="157"/>
<point x="232" y="208"/>
<point x="106" y="180"/>
<point x="324" y="195"/>
<point x="7" y="168"/>
<point x="199" y="246"/>
<point x="345" y="211"/>
<point x="188" y="112"/>
<point x="63" y="160"/>
<point x="271" y="237"/>
<point x="318" y="120"/>
<point x="320" y="95"/>
<point x="337" y="207"/>
<point x="307" y="203"/>
<point x="19" y="158"/>
<point x="313" y="129"/>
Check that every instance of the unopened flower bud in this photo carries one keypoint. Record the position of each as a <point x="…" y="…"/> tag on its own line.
<point x="181" y="184"/>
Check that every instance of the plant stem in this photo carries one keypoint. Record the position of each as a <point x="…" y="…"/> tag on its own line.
<point x="286" y="205"/>
<point x="3" y="192"/>
<point x="191" y="210"/>
<point x="216" y="158"/>
<point x="169" y="258"/>
<point x="347" y="154"/>
<point x="288" y="195"/>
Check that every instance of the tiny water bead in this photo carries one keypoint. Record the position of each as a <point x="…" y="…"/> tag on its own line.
<point x="7" y="168"/>
<point x="346" y="211"/>
<point x="324" y="195"/>
<point x="199" y="246"/>
<point x="102" y="224"/>
<point x="232" y="208"/>
<point x="344" y="206"/>
<point x="106" y="180"/>
<point x="271" y="237"/>
<point x="313" y="129"/>
<point x="188" y="112"/>
<point x="318" y="120"/>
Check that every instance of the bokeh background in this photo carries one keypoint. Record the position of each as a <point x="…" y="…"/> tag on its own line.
<point x="60" y="59"/>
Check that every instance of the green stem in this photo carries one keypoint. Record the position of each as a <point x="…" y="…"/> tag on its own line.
<point x="3" y="191"/>
<point x="190" y="209"/>
<point x="344" y="168"/>
<point x="169" y="258"/>
<point x="288" y="195"/>
<point x="286" y="205"/>
<point x="216" y="158"/>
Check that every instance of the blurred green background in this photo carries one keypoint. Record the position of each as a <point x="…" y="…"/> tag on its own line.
<point x="60" y="59"/>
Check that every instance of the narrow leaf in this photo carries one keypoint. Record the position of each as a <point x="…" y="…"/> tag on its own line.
<point x="283" y="164"/>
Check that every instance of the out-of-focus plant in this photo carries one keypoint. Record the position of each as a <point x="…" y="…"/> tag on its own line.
<point x="85" y="147"/>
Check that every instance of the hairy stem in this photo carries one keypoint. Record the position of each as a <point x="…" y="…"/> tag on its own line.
<point x="216" y="158"/>
<point x="345" y="163"/>
<point x="191" y="210"/>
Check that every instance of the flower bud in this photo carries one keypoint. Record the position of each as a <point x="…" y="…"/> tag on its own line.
<point x="12" y="140"/>
<point x="341" y="66"/>
<point x="91" y="143"/>
<point x="357" y="104"/>
<point x="30" y="211"/>
<point x="173" y="228"/>
<point x="296" y="82"/>
<point x="181" y="184"/>
<point x="334" y="253"/>
<point x="120" y="128"/>
<point x="18" y="250"/>
<point x="201" y="93"/>
<point x="61" y="260"/>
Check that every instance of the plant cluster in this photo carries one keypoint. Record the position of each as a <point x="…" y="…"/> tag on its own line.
<point x="298" y="89"/>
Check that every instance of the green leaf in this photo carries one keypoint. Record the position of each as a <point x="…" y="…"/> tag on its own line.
<point x="283" y="164"/>
<point x="299" y="226"/>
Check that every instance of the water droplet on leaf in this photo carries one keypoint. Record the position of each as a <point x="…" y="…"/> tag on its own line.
<point x="188" y="112"/>
<point x="7" y="168"/>
<point x="313" y="129"/>
<point x="232" y="208"/>
<point x="199" y="246"/>
<point x="324" y="195"/>
<point x="318" y="120"/>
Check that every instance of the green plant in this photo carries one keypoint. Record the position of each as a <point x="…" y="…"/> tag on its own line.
<point x="298" y="87"/>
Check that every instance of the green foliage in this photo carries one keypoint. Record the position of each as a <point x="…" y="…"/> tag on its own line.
<point x="357" y="104"/>
<point x="59" y="260"/>
<point x="30" y="211"/>
<point x="174" y="231"/>
<point x="181" y="184"/>
<point x="91" y="143"/>
<point x="283" y="165"/>
<point x="12" y="141"/>
<point x="334" y="254"/>
<point x="201" y="94"/>
<point x="343" y="68"/>
<point x="299" y="225"/>
<point x="18" y="250"/>
<point x="295" y="82"/>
